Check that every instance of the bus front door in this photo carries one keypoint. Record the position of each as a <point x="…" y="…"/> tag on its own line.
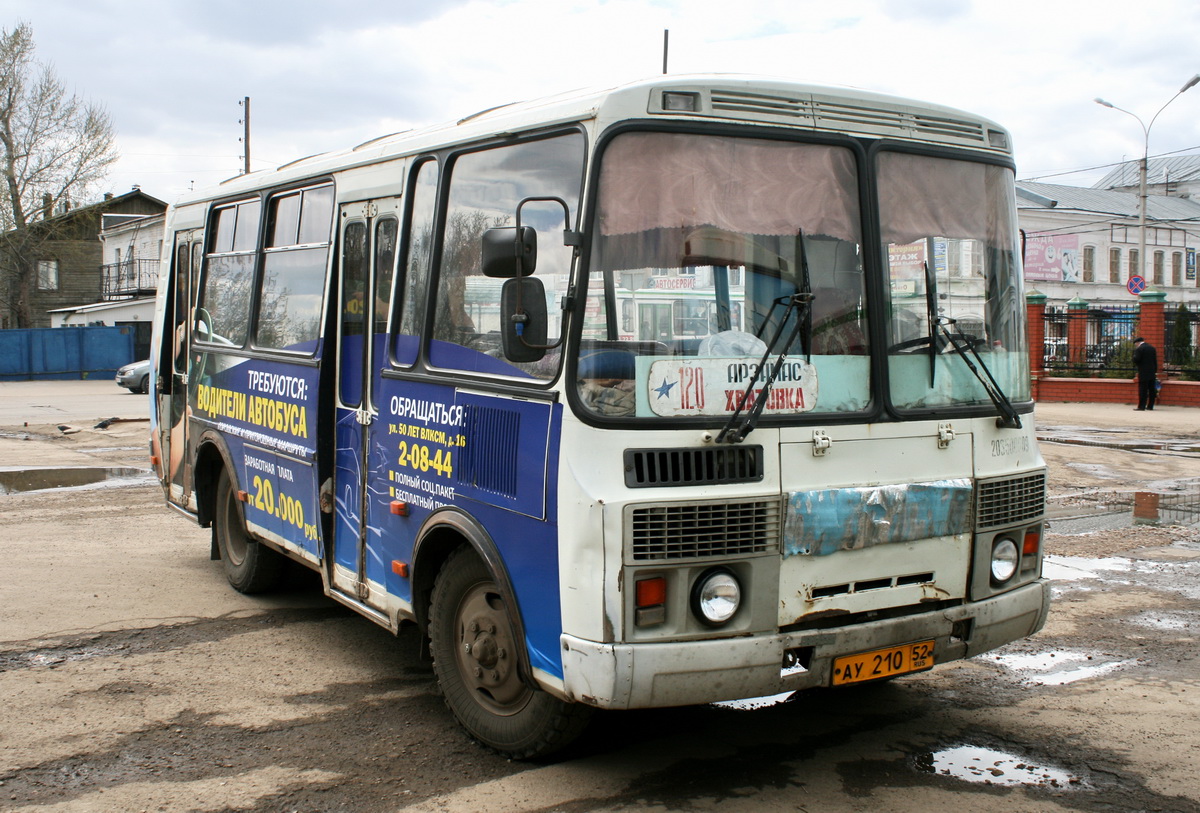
<point x="366" y="270"/>
<point x="173" y="397"/>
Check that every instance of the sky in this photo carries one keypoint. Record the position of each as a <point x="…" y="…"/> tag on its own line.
<point x="325" y="75"/>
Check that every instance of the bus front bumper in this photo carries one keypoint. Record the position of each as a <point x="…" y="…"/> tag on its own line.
<point x="649" y="675"/>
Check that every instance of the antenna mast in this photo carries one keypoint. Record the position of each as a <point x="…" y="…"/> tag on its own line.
<point x="666" y="39"/>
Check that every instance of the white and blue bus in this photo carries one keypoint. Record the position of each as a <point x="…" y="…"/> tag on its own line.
<point x="696" y="389"/>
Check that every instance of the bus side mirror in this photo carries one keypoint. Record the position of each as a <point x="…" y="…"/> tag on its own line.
<point x="507" y="254"/>
<point x="523" y="319"/>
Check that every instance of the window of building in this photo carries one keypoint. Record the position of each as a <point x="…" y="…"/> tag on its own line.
<point x="1114" y="265"/>
<point x="1159" y="262"/>
<point x="1089" y="263"/>
<point x="1135" y="263"/>
<point x="47" y="275"/>
<point x="1177" y="268"/>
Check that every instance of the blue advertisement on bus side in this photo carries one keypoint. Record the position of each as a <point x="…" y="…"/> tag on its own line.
<point x="266" y="412"/>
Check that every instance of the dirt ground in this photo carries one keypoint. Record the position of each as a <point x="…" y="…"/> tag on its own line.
<point x="134" y="678"/>
<point x="1099" y="455"/>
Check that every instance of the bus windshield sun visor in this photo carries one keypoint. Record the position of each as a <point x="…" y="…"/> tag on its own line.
<point x="961" y="343"/>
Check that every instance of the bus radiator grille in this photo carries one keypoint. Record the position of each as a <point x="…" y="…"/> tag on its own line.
<point x="692" y="531"/>
<point x="1011" y="500"/>
<point x="649" y="468"/>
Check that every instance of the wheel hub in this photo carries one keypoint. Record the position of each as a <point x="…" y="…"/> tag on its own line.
<point x="486" y="653"/>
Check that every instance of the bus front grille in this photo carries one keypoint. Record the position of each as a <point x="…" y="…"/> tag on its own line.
<point x="1011" y="500"/>
<point x="703" y="530"/>
<point x="648" y="468"/>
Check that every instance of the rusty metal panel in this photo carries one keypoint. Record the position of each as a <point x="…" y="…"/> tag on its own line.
<point x="824" y="521"/>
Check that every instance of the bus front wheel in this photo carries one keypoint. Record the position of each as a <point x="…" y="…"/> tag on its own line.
<point x="475" y="659"/>
<point x="249" y="566"/>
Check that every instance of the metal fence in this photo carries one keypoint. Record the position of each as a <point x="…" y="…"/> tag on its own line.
<point x="1180" y="341"/>
<point x="1181" y="507"/>
<point x="1108" y="346"/>
<point x="1054" y="352"/>
<point x="128" y="278"/>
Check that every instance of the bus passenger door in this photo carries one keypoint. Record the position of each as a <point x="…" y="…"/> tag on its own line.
<point x="172" y="405"/>
<point x="366" y="270"/>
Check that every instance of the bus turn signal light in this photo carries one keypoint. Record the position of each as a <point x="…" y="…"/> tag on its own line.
<point x="651" y="592"/>
<point x="400" y="568"/>
<point x="400" y="508"/>
<point x="651" y="598"/>
<point x="1030" y="547"/>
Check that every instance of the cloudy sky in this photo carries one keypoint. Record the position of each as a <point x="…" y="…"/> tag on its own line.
<point x="323" y="75"/>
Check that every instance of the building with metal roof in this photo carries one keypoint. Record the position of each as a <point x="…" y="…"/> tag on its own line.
<point x="1177" y="175"/>
<point x="1083" y="243"/>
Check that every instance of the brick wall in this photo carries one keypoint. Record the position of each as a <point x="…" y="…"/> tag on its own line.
<point x="1113" y="391"/>
<point x="1102" y="390"/>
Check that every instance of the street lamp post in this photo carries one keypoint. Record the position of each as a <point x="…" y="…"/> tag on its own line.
<point x="1145" y="166"/>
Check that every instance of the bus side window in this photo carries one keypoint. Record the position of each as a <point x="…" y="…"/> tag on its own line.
<point x="293" y="278"/>
<point x="229" y="275"/>
<point x="486" y="187"/>
<point x="413" y="286"/>
<point x="385" y="271"/>
<point x="182" y="306"/>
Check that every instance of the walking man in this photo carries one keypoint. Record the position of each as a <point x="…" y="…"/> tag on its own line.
<point x="1145" y="359"/>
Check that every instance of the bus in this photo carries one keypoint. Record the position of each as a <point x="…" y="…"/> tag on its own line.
<point x="419" y="367"/>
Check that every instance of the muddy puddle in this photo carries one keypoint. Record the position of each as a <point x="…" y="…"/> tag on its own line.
<point x="16" y="481"/>
<point x="1110" y="438"/>
<point x="755" y="703"/>
<point x="1060" y="667"/>
<point x="984" y="765"/>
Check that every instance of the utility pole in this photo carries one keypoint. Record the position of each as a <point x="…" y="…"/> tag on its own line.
<point x="245" y="122"/>
<point x="1142" y="196"/>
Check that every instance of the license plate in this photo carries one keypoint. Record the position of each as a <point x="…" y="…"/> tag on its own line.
<point x="882" y="663"/>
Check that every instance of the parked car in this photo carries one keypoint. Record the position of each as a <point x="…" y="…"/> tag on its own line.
<point x="135" y="377"/>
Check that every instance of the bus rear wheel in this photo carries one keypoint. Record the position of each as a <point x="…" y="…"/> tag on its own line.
<point x="475" y="659"/>
<point x="250" y="566"/>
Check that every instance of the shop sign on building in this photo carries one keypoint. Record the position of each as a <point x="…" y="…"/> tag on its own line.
<point x="1052" y="257"/>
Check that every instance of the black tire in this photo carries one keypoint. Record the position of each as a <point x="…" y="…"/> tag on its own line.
<point x="475" y="659"/>
<point x="250" y="566"/>
<point x="144" y="387"/>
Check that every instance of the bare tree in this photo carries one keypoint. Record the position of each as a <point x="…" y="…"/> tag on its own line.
<point x="54" y="148"/>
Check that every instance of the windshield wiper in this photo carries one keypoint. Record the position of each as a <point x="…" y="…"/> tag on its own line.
<point x="1008" y="415"/>
<point x="799" y="304"/>
<point x="930" y="315"/>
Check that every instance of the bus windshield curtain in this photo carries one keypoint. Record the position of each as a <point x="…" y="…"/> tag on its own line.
<point x="658" y="188"/>
<point x="921" y="197"/>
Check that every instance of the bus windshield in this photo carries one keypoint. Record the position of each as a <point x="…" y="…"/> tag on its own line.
<point x="948" y="235"/>
<point x="702" y="243"/>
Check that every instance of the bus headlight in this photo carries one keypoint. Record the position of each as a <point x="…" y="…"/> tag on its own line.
<point x="1005" y="558"/>
<point x="716" y="596"/>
